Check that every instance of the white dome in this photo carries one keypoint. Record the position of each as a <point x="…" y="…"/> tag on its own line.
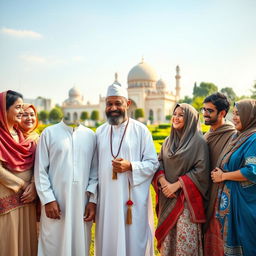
<point x="142" y="72"/>
<point x="74" y="93"/>
<point x="160" y="84"/>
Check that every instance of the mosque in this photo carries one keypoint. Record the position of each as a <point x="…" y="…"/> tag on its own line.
<point x="144" y="90"/>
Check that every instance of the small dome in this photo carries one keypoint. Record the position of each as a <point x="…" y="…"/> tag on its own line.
<point x="74" y="93"/>
<point x="142" y="72"/>
<point x="160" y="84"/>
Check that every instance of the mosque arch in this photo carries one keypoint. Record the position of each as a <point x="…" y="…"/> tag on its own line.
<point x="151" y="115"/>
<point x="68" y="116"/>
<point x="159" y="113"/>
<point x="75" y="116"/>
<point x="132" y="108"/>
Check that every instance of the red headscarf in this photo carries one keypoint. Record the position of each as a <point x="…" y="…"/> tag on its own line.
<point x="15" y="156"/>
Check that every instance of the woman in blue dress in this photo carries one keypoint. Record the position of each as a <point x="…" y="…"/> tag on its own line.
<point x="237" y="196"/>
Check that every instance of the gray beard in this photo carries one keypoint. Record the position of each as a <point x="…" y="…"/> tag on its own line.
<point x="115" y="120"/>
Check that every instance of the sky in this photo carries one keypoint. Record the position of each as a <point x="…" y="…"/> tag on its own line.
<point x="47" y="47"/>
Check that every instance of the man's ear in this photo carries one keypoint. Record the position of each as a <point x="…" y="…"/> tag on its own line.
<point x="129" y="102"/>
<point x="223" y="113"/>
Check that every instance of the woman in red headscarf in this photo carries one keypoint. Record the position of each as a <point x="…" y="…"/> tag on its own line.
<point x="17" y="212"/>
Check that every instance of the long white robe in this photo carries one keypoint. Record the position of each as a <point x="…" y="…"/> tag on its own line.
<point x="66" y="170"/>
<point x="113" y="236"/>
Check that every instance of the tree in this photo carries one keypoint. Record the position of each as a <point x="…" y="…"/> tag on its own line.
<point x="95" y="116"/>
<point x="198" y="103"/>
<point x="43" y="116"/>
<point x="151" y="118"/>
<point x="229" y="92"/>
<point x="204" y="89"/>
<point x="186" y="99"/>
<point x="84" y="115"/>
<point x="168" y="117"/>
<point x="55" y="115"/>
<point x="139" y="112"/>
<point x="254" y="90"/>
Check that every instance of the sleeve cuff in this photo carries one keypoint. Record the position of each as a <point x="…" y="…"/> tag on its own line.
<point x="47" y="197"/>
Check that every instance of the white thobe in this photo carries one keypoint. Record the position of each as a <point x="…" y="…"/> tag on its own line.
<point x="113" y="236"/>
<point x="66" y="171"/>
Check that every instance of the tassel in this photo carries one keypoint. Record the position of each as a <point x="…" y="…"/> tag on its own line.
<point x="114" y="175"/>
<point x="129" y="212"/>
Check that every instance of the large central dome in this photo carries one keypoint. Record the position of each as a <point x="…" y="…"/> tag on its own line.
<point x="142" y="72"/>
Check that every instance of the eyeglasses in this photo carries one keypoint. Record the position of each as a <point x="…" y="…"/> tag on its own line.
<point x="208" y="110"/>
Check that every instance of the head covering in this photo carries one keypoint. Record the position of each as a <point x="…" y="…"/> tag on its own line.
<point x="15" y="156"/>
<point x="247" y="113"/>
<point x="30" y="134"/>
<point x="117" y="90"/>
<point x="184" y="155"/>
<point x="180" y="139"/>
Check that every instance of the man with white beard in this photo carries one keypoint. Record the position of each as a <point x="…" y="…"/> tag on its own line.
<point x="127" y="163"/>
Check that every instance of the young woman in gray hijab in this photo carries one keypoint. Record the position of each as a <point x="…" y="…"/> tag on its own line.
<point x="181" y="184"/>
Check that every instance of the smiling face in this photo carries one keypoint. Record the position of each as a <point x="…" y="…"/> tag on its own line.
<point x="210" y="113"/>
<point x="28" y="119"/>
<point x="236" y="119"/>
<point x="14" y="112"/>
<point x="178" y="121"/>
<point x="116" y="109"/>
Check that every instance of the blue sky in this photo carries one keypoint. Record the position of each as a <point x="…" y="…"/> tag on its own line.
<point x="47" y="47"/>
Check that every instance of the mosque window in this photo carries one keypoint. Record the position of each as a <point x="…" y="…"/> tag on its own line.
<point x="75" y="117"/>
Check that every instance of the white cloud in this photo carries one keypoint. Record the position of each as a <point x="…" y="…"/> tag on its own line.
<point x="21" y="33"/>
<point x="33" y="59"/>
<point x="46" y="61"/>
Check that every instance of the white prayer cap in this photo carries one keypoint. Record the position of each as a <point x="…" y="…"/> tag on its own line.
<point x="117" y="90"/>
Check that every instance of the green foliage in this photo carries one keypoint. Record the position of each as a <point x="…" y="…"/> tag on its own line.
<point x="205" y="128"/>
<point x="158" y="145"/>
<point x="41" y="127"/>
<point x="253" y="91"/>
<point x="168" y="117"/>
<point x="229" y="92"/>
<point x="160" y="136"/>
<point x="198" y="103"/>
<point x="152" y="127"/>
<point x="164" y="126"/>
<point x="43" y="116"/>
<point x="139" y="112"/>
<point x="84" y="116"/>
<point x="95" y="115"/>
<point x="55" y="115"/>
<point x="186" y="99"/>
<point x="204" y="89"/>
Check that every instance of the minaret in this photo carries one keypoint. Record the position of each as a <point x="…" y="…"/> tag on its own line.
<point x="116" y="79"/>
<point x="177" y="88"/>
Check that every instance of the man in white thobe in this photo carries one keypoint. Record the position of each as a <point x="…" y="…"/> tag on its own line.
<point x="135" y="165"/>
<point x="66" y="181"/>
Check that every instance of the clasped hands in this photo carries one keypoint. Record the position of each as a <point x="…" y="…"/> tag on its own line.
<point x="29" y="194"/>
<point x="121" y="165"/>
<point x="168" y="188"/>
<point x="217" y="175"/>
<point x="52" y="211"/>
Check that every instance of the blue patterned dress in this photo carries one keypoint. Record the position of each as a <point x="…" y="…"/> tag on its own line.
<point x="237" y="202"/>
